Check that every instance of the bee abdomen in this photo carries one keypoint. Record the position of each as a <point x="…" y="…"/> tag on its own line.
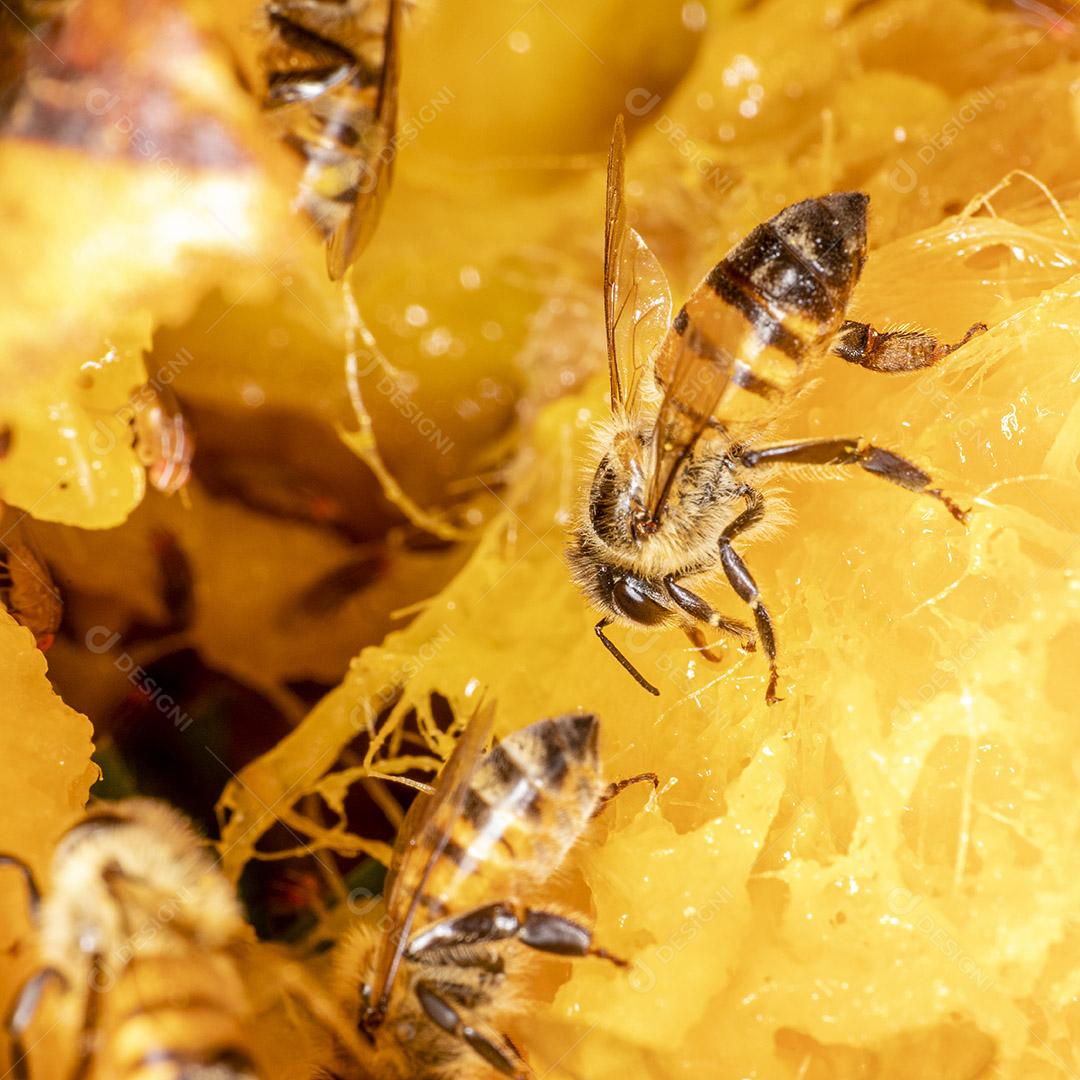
<point x="334" y="93"/>
<point x="530" y="798"/>
<point x="792" y="277"/>
<point x="165" y="1014"/>
<point x="782" y="294"/>
<point x="226" y="1065"/>
<point x="537" y="762"/>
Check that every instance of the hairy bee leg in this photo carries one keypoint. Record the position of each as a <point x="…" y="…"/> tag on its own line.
<point x="617" y="787"/>
<point x="539" y="930"/>
<point x="447" y="1017"/>
<point x="892" y="351"/>
<point x="695" y="606"/>
<point x="556" y="934"/>
<point x="742" y="581"/>
<point x="855" y="451"/>
<point x="21" y="1015"/>
<point x="614" y="650"/>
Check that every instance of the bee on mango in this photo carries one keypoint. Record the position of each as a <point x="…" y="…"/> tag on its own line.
<point x="679" y="480"/>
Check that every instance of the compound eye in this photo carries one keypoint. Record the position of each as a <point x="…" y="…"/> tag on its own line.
<point x="634" y="603"/>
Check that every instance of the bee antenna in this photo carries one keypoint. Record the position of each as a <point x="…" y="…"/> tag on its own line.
<point x="614" y="650"/>
<point x="33" y="893"/>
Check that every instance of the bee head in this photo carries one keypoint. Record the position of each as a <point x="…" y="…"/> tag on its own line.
<point x="629" y="596"/>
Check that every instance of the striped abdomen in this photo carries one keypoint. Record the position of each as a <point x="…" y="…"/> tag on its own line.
<point x="529" y="800"/>
<point x="168" y="1017"/>
<point x="324" y="67"/>
<point x="766" y="312"/>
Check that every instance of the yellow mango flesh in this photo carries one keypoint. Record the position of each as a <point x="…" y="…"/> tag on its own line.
<point x="875" y="877"/>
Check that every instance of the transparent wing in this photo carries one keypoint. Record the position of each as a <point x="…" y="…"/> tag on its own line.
<point x="694" y="374"/>
<point x="637" y="299"/>
<point x="421" y="841"/>
<point x="346" y="244"/>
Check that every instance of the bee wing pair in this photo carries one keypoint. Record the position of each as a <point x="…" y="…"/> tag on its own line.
<point x="422" y="840"/>
<point x="637" y="313"/>
<point x="338" y="109"/>
<point x="347" y="242"/>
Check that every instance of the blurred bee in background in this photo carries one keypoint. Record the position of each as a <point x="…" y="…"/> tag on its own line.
<point x="431" y="989"/>
<point x="677" y="481"/>
<point x="331" y="69"/>
<point x="164" y="441"/>
<point x="29" y="593"/>
<point x="135" y="932"/>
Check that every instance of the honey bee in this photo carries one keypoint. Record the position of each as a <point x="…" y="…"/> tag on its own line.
<point x="163" y="439"/>
<point x="431" y="989"/>
<point x="135" y="933"/>
<point x="29" y="593"/>
<point x="331" y="70"/>
<point x="677" y="482"/>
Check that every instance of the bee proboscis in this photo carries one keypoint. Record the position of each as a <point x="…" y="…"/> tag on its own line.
<point x="682" y="459"/>
<point x="431" y="989"/>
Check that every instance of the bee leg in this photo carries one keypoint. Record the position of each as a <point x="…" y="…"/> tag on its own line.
<point x="696" y="607"/>
<point x="855" y="451"/>
<point x="698" y="640"/>
<point x="616" y="787"/>
<point x="496" y="922"/>
<point x="98" y="982"/>
<point x="614" y="650"/>
<point x="484" y="1043"/>
<point x="547" y="932"/>
<point x="742" y="581"/>
<point x="21" y="1015"/>
<point x="892" y="351"/>
<point x="33" y="893"/>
